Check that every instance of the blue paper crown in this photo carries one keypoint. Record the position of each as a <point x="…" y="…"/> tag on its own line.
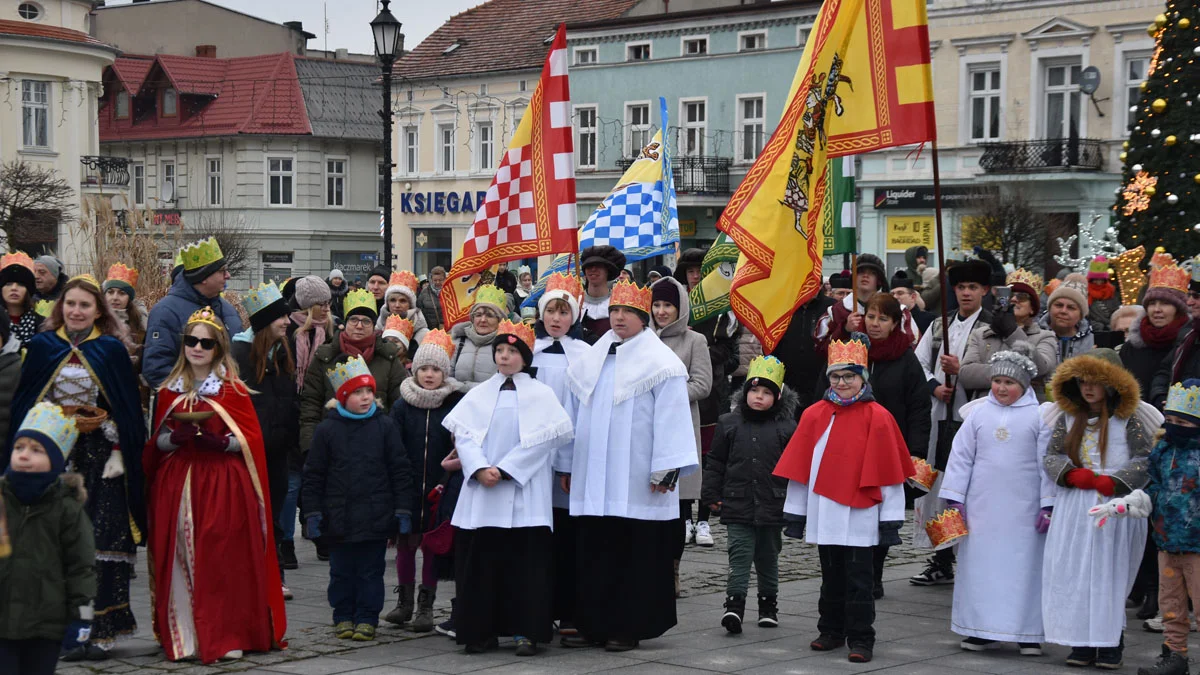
<point x="1183" y="400"/>
<point x="49" y="421"/>
<point x="349" y="369"/>
<point x="258" y="299"/>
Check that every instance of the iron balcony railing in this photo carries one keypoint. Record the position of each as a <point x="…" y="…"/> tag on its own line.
<point x="1051" y="154"/>
<point x="101" y="170"/>
<point x="696" y="175"/>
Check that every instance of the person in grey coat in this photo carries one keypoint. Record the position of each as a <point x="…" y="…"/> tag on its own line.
<point x="473" y="362"/>
<point x="1016" y="323"/>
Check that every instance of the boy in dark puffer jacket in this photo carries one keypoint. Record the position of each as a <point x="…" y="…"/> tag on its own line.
<point x="739" y="485"/>
<point x="358" y="493"/>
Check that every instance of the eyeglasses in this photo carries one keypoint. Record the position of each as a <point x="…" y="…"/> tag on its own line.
<point x="1193" y="295"/>
<point x="322" y="304"/>
<point x="207" y="344"/>
<point x="842" y="379"/>
<point x="359" y="321"/>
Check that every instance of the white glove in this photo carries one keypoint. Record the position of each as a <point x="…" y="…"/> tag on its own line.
<point x="1135" y="505"/>
<point x="114" y="467"/>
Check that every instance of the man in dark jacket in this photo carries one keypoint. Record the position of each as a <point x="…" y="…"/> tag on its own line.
<point x="337" y="292"/>
<point x="429" y="299"/>
<point x="50" y="277"/>
<point x="798" y="350"/>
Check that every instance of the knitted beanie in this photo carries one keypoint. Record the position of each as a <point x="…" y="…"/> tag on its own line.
<point x="311" y="290"/>
<point x="431" y="354"/>
<point x="1015" y="364"/>
<point x="1073" y="288"/>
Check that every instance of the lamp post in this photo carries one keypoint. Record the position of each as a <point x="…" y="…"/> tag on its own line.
<point x="389" y="42"/>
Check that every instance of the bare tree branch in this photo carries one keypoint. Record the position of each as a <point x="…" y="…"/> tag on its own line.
<point x="1005" y="223"/>
<point x="236" y="236"/>
<point x="31" y="197"/>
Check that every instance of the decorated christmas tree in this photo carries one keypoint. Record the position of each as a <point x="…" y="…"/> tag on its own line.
<point x="1159" y="201"/>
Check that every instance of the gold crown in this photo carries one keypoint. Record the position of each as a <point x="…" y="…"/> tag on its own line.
<point x="1170" y="276"/>
<point x="626" y="294"/>
<point x="119" y="272"/>
<point x="850" y="352"/>
<point x="1161" y="258"/>
<point x="205" y="315"/>
<point x="87" y="279"/>
<point x="359" y="298"/>
<point x="440" y="338"/>
<point x="519" y="331"/>
<point x="400" y="325"/>
<point x="201" y="253"/>
<point x="768" y="368"/>
<point x="43" y="307"/>
<point x="404" y="278"/>
<point x="17" y="258"/>
<point x="925" y="477"/>
<point x="565" y="282"/>
<point x="490" y="295"/>
<point x="1022" y="276"/>
<point x="945" y="530"/>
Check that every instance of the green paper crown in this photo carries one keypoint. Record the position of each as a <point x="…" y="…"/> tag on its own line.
<point x="1183" y="401"/>
<point x="258" y="299"/>
<point x="201" y="253"/>
<point x="768" y="368"/>
<point x="489" y="294"/>
<point x="49" y="419"/>
<point x="359" y="298"/>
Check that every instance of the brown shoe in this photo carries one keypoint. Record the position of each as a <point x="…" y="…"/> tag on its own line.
<point x="620" y="645"/>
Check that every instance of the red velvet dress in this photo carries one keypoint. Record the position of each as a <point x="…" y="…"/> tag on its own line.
<point x="216" y="585"/>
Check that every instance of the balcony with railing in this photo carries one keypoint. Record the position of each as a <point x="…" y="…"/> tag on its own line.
<point x="696" y="175"/>
<point x="1050" y="154"/>
<point x="102" y="171"/>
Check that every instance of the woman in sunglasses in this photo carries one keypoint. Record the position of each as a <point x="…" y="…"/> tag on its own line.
<point x="80" y="358"/>
<point x="217" y="590"/>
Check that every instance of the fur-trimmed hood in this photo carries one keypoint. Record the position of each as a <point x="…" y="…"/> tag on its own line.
<point x="784" y="408"/>
<point x="1120" y="382"/>
<point x="74" y="482"/>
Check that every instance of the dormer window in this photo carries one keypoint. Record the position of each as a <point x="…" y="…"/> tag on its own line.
<point x="170" y="103"/>
<point x="122" y="105"/>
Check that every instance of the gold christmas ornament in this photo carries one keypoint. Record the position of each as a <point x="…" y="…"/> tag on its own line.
<point x="1160" y="20"/>
<point x="1196" y="178"/>
<point x="1184" y="23"/>
<point x="1152" y="30"/>
<point x="1158" y="105"/>
<point x="1144" y="85"/>
<point x="1169" y="141"/>
<point x="1122" y="156"/>
<point x="1125" y="145"/>
<point x="1150" y="190"/>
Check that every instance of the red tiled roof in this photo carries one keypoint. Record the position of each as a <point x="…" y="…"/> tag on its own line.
<point x="248" y="95"/>
<point x="131" y="71"/>
<point x="37" y="30"/>
<point x="500" y="35"/>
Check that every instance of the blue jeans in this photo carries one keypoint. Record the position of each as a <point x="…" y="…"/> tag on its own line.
<point x="286" y="520"/>
<point x="356" y="581"/>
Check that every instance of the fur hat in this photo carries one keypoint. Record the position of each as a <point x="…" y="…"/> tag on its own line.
<point x="608" y="256"/>
<point x="311" y="290"/>
<point x="872" y="263"/>
<point x="1102" y="366"/>
<point x="975" y="270"/>
<point x="900" y="280"/>
<point x="840" y="280"/>
<point x="1016" y="364"/>
<point x="1073" y="288"/>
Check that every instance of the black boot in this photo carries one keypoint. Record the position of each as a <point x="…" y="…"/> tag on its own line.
<point x="404" y="606"/>
<point x="1170" y="663"/>
<point x="1081" y="657"/>
<point x="423" y="623"/>
<point x="735" y="609"/>
<point x="1149" y="608"/>
<point x="768" y="611"/>
<point x="287" y="555"/>
<point x="1111" y="658"/>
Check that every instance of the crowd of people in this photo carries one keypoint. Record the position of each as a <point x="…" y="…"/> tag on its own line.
<point x="1049" y="432"/>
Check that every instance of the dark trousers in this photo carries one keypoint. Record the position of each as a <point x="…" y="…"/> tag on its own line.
<point x="880" y="558"/>
<point x="356" y="581"/>
<point x="1146" y="581"/>
<point x="29" y="657"/>
<point x="277" y="486"/>
<point x="846" y="607"/>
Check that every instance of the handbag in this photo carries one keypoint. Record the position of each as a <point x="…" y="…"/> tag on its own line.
<point x="438" y="539"/>
<point x="946" y="431"/>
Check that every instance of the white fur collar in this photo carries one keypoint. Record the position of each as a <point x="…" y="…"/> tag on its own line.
<point x="211" y="386"/>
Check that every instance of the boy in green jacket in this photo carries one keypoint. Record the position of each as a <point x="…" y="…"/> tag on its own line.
<point x="48" y="581"/>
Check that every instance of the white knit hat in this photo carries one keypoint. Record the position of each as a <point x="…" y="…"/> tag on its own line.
<point x="571" y="300"/>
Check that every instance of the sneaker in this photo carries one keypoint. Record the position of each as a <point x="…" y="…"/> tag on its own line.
<point x="525" y="646"/>
<point x="768" y="611"/>
<point x="1081" y="657"/>
<point x="1030" y="648"/>
<point x="1111" y="658"/>
<point x="860" y="653"/>
<point x="735" y="609"/>
<point x="446" y="628"/>
<point x="287" y="593"/>
<point x="363" y="632"/>
<point x="826" y="642"/>
<point x="344" y="630"/>
<point x="1170" y="663"/>
<point x="689" y="532"/>
<point x="233" y="655"/>
<point x="1154" y="625"/>
<point x="703" y="534"/>
<point x="567" y="628"/>
<point x="934" y="574"/>
<point x="975" y="644"/>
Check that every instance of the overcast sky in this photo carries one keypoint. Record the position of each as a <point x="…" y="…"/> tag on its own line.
<point x="349" y="20"/>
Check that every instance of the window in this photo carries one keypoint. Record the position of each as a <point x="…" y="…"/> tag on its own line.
<point x="637" y="117"/>
<point x="587" y="137"/>
<point x="1063" y="99"/>
<point x="637" y="52"/>
<point x="445" y="135"/>
<point x="281" y="180"/>
<point x="751" y="126"/>
<point x="382" y="187"/>
<point x="483" y="89"/>
<point x="410" y="150"/>
<point x="694" y="127"/>
<point x="335" y="182"/>
<point x="694" y="46"/>
<point x="984" y="104"/>
<point x="522" y="85"/>
<point x="750" y="42"/>
<point x="1135" y="73"/>
<point x="517" y="114"/>
<point x="170" y="103"/>
<point x="485" y="141"/>
<point x="432" y="247"/>
<point x="139" y="184"/>
<point x="29" y="11"/>
<point x="122" y="105"/>
<point x="35" y="113"/>
<point x="587" y="56"/>
<point x="166" y="182"/>
<point x="213" y="182"/>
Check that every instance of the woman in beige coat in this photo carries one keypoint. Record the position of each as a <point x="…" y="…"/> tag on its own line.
<point x="1015" y="323"/>
<point x="670" y="313"/>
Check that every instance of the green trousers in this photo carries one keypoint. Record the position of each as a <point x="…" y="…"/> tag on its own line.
<point x="753" y="544"/>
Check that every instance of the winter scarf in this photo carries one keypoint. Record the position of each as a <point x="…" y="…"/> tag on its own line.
<point x="891" y="348"/>
<point x="863" y="394"/>
<point x="29" y="486"/>
<point x="1159" y="338"/>
<point x="1099" y="292"/>
<point x="306" y="345"/>
<point x="427" y="399"/>
<point x="357" y="416"/>
<point x="364" y="347"/>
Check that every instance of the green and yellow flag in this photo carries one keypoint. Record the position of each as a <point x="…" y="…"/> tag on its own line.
<point x="711" y="296"/>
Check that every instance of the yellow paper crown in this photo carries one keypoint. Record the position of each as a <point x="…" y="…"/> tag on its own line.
<point x="359" y="298"/>
<point x="490" y="295"/>
<point x="50" y="420"/>
<point x="205" y="315"/>
<point x="87" y="279"/>
<point x="1170" y="276"/>
<point x="440" y="338"/>
<point x="353" y="371"/>
<point x="201" y="253"/>
<point x="119" y="272"/>
<point x="848" y="353"/>
<point x="626" y="294"/>
<point x="1022" y="276"/>
<point x="400" y="325"/>
<point x="565" y="282"/>
<point x="404" y="278"/>
<point x="178" y="259"/>
<point x="16" y="258"/>
<point x="520" y="331"/>
<point x="768" y="368"/>
<point x="1185" y="401"/>
<point x="43" y="307"/>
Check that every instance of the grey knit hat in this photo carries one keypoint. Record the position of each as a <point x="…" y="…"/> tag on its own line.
<point x="429" y="353"/>
<point x="311" y="290"/>
<point x="1015" y="364"/>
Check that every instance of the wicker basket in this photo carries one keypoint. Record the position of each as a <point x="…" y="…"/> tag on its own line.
<point x="88" y="418"/>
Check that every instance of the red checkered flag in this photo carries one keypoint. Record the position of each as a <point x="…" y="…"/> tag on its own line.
<point x="529" y="210"/>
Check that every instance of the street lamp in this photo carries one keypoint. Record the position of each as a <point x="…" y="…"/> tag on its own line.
<point x="389" y="42"/>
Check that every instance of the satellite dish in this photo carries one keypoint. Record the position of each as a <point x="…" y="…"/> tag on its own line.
<point x="118" y="203"/>
<point x="1089" y="80"/>
<point x="168" y="191"/>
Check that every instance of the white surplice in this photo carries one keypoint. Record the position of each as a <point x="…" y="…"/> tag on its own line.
<point x="832" y="524"/>
<point x="995" y="471"/>
<point x="552" y="372"/>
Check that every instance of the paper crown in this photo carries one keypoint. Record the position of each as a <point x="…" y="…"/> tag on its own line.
<point x="488" y="294"/>
<point x="626" y="294"/>
<point x="258" y="299"/>
<point x="524" y="269"/>
<point x="87" y="279"/>
<point x="1170" y="276"/>
<point x="520" y="331"/>
<point x="178" y="262"/>
<point x="1196" y="269"/>
<point x="119" y="272"/>
<point x="350" y="375"/>
<point x="399" y="324"/>
<point x="1022" y="276"/>
<point x="1098" y="268"/>
<point x="50" y="421"/>
<point x="1183" y="400"/>
<point x="43" y="307"/>
<point x="16" y="258"/>
<point x="945" y="530"/>
<point x="849" y="353"/>
<point x="440" y="338"/>
<point x="404" y="278"/>
<point x="925" y="476"/>
<point x="768" y="368"/>
<point x="565" y="282"/>
<point x="359" y="299"/>
<point x="201" y="253"/>
<point x="205" y="315"/>
<point x="1161" y="258"/>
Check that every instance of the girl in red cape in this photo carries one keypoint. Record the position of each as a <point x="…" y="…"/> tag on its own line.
<point x="216" y="589"/>
<point x="846" y="466"/>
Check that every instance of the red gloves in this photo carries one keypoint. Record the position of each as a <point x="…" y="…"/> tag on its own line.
<point x="207" y="440"/>
<point x="1104" y="485"/>
<point x="1083" y="479"/>
<point x="183" y="433"/>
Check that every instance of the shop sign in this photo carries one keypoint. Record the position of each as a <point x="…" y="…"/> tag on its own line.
<point x="921" y="196"/>
<point x="441" y="202"/>
<point x="167" y="217"/>
<point x="353" y="263"/>
<point x="906" y="231"/>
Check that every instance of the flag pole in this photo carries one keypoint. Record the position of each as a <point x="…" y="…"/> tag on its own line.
<point x="854" y="282"/>
<point x="941" y="258"/>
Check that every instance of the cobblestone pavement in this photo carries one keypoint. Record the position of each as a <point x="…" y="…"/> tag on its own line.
<point x="912" y="625"/>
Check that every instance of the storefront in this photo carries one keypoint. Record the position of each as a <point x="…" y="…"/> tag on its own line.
<point x="901" y="217"/>
<point x="432" y="220"/>
<point x="354" y="265"/>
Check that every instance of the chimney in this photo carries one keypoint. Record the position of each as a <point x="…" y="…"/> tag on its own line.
<point x="297" y="26"/>
<point x="206" y="51"/>
<point x="342" y="54"/>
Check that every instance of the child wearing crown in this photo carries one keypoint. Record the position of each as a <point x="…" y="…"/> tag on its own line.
<point x="850" y="503"/>
<point x="506" y="429"/>
<point x="357" y="494"/>
<point x="217" y="590"/>
<point x="47" y="576"/>
<point x="400" y="301"/>
<point x="994" y="479"/>
<point x="740" y="488"/>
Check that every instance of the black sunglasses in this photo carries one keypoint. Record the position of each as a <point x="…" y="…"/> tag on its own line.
<point x="207" y="344"/>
